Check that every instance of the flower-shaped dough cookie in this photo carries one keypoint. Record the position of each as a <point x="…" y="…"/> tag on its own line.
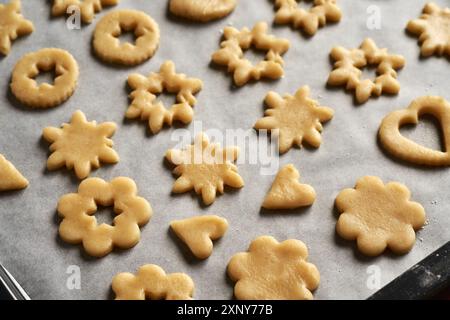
<point x="379" y="216"/>
<point x="78" y="224"/>
<point x="10" y="177"/>
<point x="433" y="29"/>
<point x="298" y="118"/>
<point x="349" y="62"/>
<point x="80" y="145"/>
<point x="205" y="167"/>
<point x="271" y="270"/>
<point x="202" y="10"/>
<point x="151" y="282"/>
<point x="147" y="107"/>
<point x="321" y="12"/>
<point x="12" y="25"/>
<point x="88" y="8"/>
<point x="236" y="42"/>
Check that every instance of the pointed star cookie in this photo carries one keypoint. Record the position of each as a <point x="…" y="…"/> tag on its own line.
<point x="12" y="25"/>
<point x="199" y="232"/>
<point x="10" y="177"/>
<point x="287" y="192"/>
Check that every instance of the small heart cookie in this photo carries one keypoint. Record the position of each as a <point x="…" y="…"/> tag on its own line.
<point x="198" y="233"/>
<point x="396" y="144"/>
<point x="287" y="192"/>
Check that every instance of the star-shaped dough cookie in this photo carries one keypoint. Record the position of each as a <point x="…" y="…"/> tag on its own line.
<point x="88" y="8"/>
<point x="80" y="145"/>
<point x="12" y="25"/>
<point x="379" y="216"/>
<point x="205" y="167"/>
<point x="10" y="177"/>
<point x="298" y="118"/>
<point x="433" y="29"/>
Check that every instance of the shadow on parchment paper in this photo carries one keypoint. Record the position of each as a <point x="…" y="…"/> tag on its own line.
<point x="230" y="283"/>
<point x="266" y="213"/>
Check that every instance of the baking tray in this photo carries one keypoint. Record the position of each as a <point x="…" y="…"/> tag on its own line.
<point x="29" y="245"/>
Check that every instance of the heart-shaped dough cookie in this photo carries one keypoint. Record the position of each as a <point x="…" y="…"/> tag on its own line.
<point x="401" y="147"/>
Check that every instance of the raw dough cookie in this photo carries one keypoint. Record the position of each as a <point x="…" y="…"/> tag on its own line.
<point x="147" y="107"/>
<point x="396" y="144"/>
<point x="379" y="216"/>
<point x="236" y="42"/>
<point x="198" y="232"/>
<point x="349" y="62"/>
<point x="298" y="118"/>
<point x="45" y="95"/>
<point x="287" y="192"/>
<point x="80" y="145"/>
<point x="151" y="282"/>
<point x="12" y="25"/>
<point x="321" y="12"/>
<point x="79" y="225"/>
<point x="10" y="177"/>
<point x="88" y="8"/>
<point x="433" y="29"/>
<point x="202" y="10"/>
<point x="108" y="46"/>
<point x="205" y="167"/>
<point x="273" y="271"/>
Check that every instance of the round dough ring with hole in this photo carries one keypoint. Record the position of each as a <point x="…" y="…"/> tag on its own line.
<point x="108" y="47"/>
<point x="28" y="92"/>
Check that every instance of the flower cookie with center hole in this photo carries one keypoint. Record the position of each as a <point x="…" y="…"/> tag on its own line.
<point x="271" y="270"/>
<point x="236" y="42"/>
<point x="297" y="119"/>
<point x="205" y="167"/>
<point x="379" y="216"/>
<point x="12" y="25"/>
<point x="147" y="107"/>
<point x="347" y="70"/>
<point x="10" y="177"/>
<point x="433" y="29"/>
<point x="151" y="282"/>
<point x="80" y="145"/>
<point x="79" y="224"/>
<point x="110" y="49"/>
<point x="321" y="12"/>
<point x="202" y="10"/>
<point x="87" y="8"/>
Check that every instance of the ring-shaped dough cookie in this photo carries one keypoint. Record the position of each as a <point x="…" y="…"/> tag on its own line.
<point x="107" y="44"/>
<point x="27" y="91"/>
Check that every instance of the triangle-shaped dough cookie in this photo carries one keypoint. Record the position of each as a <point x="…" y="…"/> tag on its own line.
<point x="10" y="177"/>
<point x="198" y="232"/>
<point x="287" y="192"/>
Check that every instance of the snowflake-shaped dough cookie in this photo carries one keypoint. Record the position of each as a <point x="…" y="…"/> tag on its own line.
<point x="146" y="106"/>
<point x="273" y="271"/>
<point x="12" y="25"/>
<point x="433" y="29"/>
<point x="88" y="8"/>
<point x="321" y="12"/>
<point x="205" y="167"/>
<point x="151" y="282"/>
<point x="236" y="42"/>
<point x="349" y="62"/>
<point x="298" y="118"/>
<point x="80" y="145"/>
<point x="379" y="216"/>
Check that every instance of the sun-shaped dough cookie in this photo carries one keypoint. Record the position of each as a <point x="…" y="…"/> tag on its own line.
<point x="379" y="216"/>
<point x="80" y="145"/>
<point x="151" y="282"/>
<point x="298" y="118"/>
<point x="433" y="29"/>
<point x="12" y="25"/>
<point x="205" y="167"/>
<point x="10" y="177"/>
<point x="88" y="8"/>
<point x="321" y="12"/>
<point x="146" y="106"/>
<point x="273" y="271"/>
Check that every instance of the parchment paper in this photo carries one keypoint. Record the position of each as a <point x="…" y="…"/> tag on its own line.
<point x="29" y="244"/>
